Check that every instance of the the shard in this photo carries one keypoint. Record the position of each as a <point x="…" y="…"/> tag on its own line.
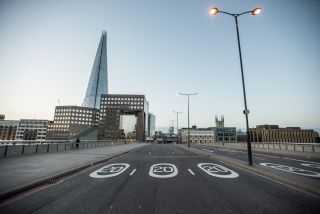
<point x="98" y="83"/>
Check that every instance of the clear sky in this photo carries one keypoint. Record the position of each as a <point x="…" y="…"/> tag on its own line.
<point x="158" y="48"/>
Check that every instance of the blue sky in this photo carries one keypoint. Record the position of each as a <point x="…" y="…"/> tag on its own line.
<point x="158" y="48"/>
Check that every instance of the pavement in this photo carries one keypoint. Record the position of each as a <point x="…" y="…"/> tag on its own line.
<point x="24" y="172"/>
<point x="163" y="179"/>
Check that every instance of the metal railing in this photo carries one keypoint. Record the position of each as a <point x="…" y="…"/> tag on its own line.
<point x="287" y="146"/>
<point x="27" y="147"/>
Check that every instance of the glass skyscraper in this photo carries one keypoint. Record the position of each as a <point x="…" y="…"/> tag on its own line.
<point x="98" y="82"/>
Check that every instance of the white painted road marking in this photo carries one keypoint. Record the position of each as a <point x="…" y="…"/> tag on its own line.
<point x="217" y="170"/>
<point x="110" y="170"/>
<point x="163" y="170"/>
<point x="317" y="166"/>
<point x="133" y="171"/>
<point x="290" y="169"/>
<point x="206" y="150"/>
<point x="192" y="173"/>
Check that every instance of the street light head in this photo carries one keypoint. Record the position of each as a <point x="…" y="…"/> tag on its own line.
<point x="213" y="11"/>
<point x="256" y="11"/>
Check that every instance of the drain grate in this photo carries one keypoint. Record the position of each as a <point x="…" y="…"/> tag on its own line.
<point x="55" y="181"/>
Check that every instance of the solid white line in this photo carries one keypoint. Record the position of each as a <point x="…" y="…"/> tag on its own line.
<point x="133" y="171"/>
<point x="191" y="171"/>
<point x="206" y="150"/>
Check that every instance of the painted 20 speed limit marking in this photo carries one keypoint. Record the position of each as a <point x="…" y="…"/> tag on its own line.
<point x="110" y="170"/>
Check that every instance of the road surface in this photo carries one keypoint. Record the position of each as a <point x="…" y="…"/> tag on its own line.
<point x="163" y="178"/>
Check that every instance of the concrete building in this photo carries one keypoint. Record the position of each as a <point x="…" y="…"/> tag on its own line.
<point x="114" y="105"/>
<point x="8" y="129"/>
<point x="222" y="133"/>
<point x="98" y="82"/>
<point x="201" y="135"/>
<point x="272" y="133"/>
<point x="31" y="129"/>
<point x="72" y="121"/>
<point x="151" y="124"/>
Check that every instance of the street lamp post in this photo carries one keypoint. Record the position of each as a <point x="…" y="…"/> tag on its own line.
<point x="172" y="121"/>
<point x="256" y="11"/>
<point x="188" y="95"/>
<point x="177" y="112"/>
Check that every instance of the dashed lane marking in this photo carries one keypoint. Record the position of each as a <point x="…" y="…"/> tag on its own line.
<point x="133" y="171"/>
<point x="192" y="173"/>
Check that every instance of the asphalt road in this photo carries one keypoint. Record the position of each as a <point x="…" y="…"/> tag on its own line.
<point x="306" y="170"/>
<point x="184" y="182"/>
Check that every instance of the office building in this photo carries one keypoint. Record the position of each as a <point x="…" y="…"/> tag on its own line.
<point x="222" y="133"/>
<point x="8" y="129"/>
<point x="151" y="125"/>
<point x="114" y="105"/>
<point x="197" y="135"/>
<point x="71" y="121"/>
<point x="272" y="133"/>
<point x="98" y="82"/>
<point x="31" y="129"/>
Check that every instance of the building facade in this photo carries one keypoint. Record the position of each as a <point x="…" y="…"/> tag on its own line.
<point x="2" y="116"/>
<point x="197" y="135"/>
<point x="30" y="129"/>
<point x="8" y="129"/>
<point x="272" y="133"/>
<point x="70" y="121"/>
<point x="151" y="124"/>
<point x="114" y="105"/>
<point x="222" y="133"/>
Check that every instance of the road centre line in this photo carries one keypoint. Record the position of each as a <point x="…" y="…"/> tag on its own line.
<point x="192" y="173"/>
<point x="133" y="171"/>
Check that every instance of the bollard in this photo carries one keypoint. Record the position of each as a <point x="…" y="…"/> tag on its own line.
<point x="48" y="148"/>
<point x="37" y="148"/>
<point x="312" y="148"/>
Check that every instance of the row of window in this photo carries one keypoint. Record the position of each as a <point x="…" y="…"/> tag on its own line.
<point x="74" y="111"/>
<point x="73" y="118"/>
<point x="123" y="98"/>
<point x="75" y="114"/>
<point x="129" y="107"/>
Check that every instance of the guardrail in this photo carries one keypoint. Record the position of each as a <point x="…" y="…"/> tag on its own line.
<point x="302" y="147"/>
<point x="18" y="148"/>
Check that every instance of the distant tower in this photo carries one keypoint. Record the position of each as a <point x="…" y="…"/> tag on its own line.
<point x="220" y="123"/>
<point x="98" y="83"/>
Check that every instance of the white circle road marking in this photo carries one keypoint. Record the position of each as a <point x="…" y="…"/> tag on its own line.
<point x="110" y="170"/>
<point x="163" y="170"/>
<point x="217" y="170"/>
<point x="291" y="169"/>
<point x="317" y="166"/>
